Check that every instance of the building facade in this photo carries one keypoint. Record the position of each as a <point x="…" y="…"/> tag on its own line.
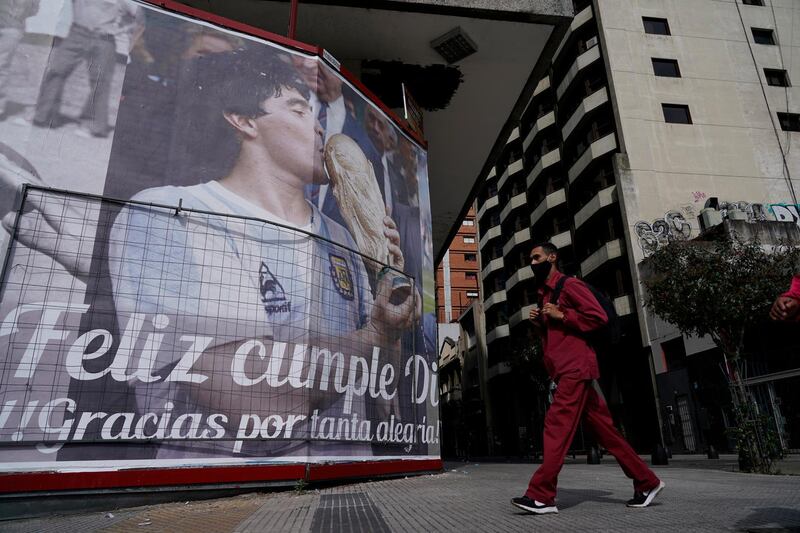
<point x="457" y="273"/>
<point x="649" y="112"/>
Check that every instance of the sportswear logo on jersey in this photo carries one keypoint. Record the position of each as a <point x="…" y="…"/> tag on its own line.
<point x="342" y="278"/>
<point x="272" y="292"/>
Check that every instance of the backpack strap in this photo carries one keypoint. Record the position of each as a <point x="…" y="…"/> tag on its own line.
<point x="556" y="294"/>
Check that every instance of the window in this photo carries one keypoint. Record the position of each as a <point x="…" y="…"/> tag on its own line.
<point x="468" y="223"/>
<point x="777" y="77"/>
<point x="470" y="257"/>
<point x="789" y="121"/>
<point x="655" y="26"/>
<point x="676" y="113"/>
<point x="667" y="68"/>
<point x="469" y="240"/>
<point x="753" y="2"/>
<point x="472" y="294"/>
<point x="470" y="275"/>
<point x="763" y="36"/>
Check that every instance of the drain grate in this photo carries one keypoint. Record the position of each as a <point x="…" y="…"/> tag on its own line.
<point x="350" y="511"/>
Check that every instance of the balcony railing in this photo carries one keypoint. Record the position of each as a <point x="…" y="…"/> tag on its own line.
<point x="607" y="252"/>
<point x="600" y="147"/>
<point x="602" y="199"/>
<point x="550" y="201"/>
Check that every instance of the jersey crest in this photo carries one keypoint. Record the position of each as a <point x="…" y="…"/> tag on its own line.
<point x="342" y="277"/>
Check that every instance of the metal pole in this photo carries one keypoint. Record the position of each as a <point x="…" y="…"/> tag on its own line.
<point x="293" y="19"/>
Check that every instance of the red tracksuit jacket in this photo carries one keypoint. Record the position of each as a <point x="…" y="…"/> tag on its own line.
<point x="794" y="290"/>
<point x="565" y="350"/>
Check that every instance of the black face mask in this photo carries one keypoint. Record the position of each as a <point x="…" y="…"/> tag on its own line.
<point x="541" y="271"/>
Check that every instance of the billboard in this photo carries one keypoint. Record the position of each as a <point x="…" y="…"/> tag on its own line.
<point x="219" y="251"/>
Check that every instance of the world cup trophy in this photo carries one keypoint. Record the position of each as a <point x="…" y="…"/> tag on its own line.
<point x="361" y="205"/>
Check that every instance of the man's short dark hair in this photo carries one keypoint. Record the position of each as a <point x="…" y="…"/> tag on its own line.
<point x="239" y="81"/>
<point x="547" y="247"/>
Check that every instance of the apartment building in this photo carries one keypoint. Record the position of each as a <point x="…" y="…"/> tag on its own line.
<point x="457" y="273"/>
<point x="650" y="111"/>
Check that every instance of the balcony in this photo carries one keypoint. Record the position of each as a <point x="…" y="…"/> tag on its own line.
<point x="600" y="147"/>
<point x="541" y="87"/>
<point x="548" y="160"/>
<point x="500" y="369"/>
<point x="580" y="19"/>
<point x="520" y="237"/>
<point x="492" y="266"/>
<point x="562" y="240"/>
<point x="624" y="305"/>
<point x="521" y="274"/>
<point x="545" y="121"/>
<point x="520" y="315"/>
<point x="514" y="135"/>
<point x="610" y="250"/>
<point x="497" y="333"/>
<point x="581" y="62"/>
<point x="512" y="169"/>
<point x="601" y="199"/>
<point x="550" y="201"/>
<point x="493" y="233"/>
<point x="488" y="204"/>
<point x="590" y="103"/>
<point x="515" y="202"/>
<point x="497" y="298"/>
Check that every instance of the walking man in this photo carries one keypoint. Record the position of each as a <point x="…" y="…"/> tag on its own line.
<point x="572" y="364"/>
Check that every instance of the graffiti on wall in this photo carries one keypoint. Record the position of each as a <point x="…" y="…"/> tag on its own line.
<point x="786" y="212"/>
<point x="662" y="231"/>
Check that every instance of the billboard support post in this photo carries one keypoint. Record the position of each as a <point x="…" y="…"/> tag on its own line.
<point x="293" y="19"/>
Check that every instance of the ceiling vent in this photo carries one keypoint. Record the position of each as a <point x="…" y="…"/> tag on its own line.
<point x="454" y="45"/>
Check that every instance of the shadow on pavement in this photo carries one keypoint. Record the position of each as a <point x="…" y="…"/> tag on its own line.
<point x="573" y="497"/>
<point x="764" y="519"/>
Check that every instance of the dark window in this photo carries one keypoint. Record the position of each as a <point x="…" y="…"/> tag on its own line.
<point x="676" y="113"/>
<point x="666" y="67"/>
<point x="470" y="275"/>
<point x="753" y="2"/>
<point x="655" y="26"/>
<point x="470" y="257"/>
<point x="789" y="121"/>
<point x="777" y="77"/>
<point x="763" y="36"/>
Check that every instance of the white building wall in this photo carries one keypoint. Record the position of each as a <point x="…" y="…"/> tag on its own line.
<point x="731" y="151"/>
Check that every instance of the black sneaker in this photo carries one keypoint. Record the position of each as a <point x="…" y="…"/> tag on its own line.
<point x="532" y="506"/>
<point x="643" y="499"/>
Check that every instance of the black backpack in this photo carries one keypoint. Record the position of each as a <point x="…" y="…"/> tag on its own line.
<point x="605" y="336"/>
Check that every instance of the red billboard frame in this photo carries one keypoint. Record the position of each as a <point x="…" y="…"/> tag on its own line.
<point x="275" y="474"/>
<point x="285" y="474"/>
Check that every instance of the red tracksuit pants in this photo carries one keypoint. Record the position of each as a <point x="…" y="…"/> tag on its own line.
<point x="575" y="398"/>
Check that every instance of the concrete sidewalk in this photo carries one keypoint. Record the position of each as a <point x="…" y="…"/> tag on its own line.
<point x="473" y="497"/>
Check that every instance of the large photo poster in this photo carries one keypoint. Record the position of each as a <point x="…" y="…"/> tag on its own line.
<point x="218" y="250"/>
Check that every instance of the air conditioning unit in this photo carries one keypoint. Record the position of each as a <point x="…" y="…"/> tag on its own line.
<point x="709" y="217"/>
<point x="591" y="43"/>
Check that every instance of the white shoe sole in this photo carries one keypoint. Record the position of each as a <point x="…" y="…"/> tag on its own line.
<point x="537" y="510"/>
<point x="650" y="497"/>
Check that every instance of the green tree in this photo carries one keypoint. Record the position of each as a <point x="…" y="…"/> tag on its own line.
<point x="720" y="289"/>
